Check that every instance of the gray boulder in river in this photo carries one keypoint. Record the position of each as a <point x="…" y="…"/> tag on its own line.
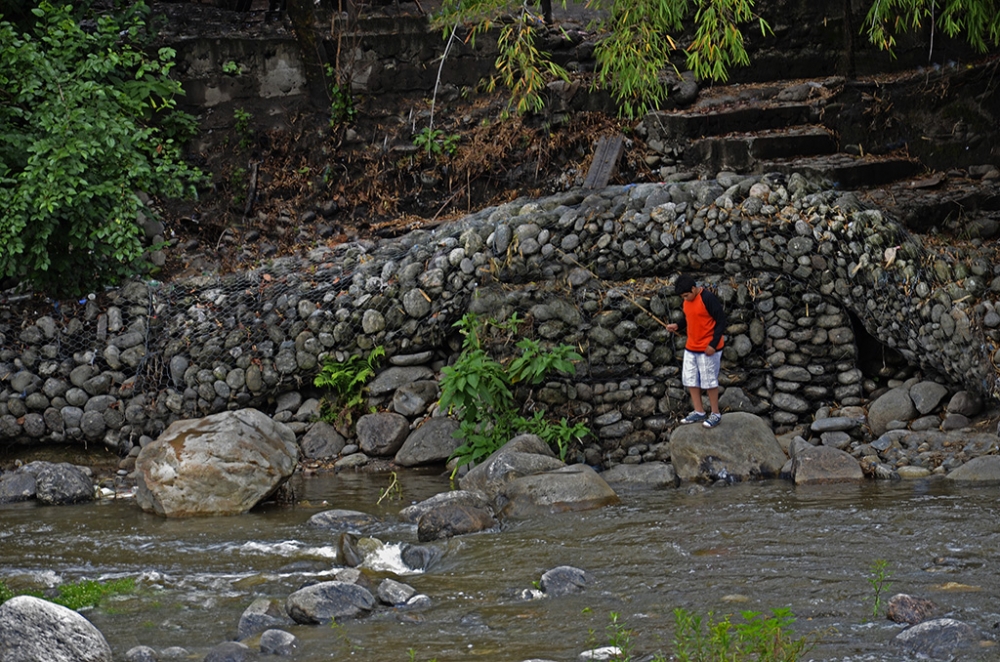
<point x="223" y="464"/>
<point x="524" y="455"/>
<point x="32" y="629"/>
<point x="576" y="487"/>
<point x="742" y="447"/>
<point x="329" y="601"/>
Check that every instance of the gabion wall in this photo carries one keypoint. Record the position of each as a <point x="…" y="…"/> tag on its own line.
<point x="803" y="273"/>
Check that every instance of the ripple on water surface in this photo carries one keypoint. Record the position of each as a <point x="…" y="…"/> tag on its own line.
<point x="753" y="546"/>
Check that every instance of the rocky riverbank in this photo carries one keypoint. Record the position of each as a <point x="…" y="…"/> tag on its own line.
<point x="833" y="306"/>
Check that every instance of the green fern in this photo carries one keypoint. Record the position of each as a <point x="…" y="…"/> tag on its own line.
<point x="347" y="379"/>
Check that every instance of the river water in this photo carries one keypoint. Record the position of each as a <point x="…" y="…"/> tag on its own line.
<point x="754" y="546"/>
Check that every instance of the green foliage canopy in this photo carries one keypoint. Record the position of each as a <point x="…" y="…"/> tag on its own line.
<point x="87" y="120"/>
<point x="977" y="20"/>
<point x="633" y="55"/>
<point x="637" y="48"/>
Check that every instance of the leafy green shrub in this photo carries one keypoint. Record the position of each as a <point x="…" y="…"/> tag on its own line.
<point x="347" y="379"/>
<point x="620" y="636"/>
<point x="87" y="122"/>
<point x="479" y="389"/>
<point x="759" y="638"/>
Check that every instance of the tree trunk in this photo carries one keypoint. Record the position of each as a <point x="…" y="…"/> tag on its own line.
<point x="848" y="67"/>
<point x="314" y="59"/>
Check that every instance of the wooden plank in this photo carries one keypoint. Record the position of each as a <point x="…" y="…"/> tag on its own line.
<point x="609" y="151"/>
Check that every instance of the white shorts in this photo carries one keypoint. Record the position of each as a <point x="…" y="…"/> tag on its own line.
<point x="701" y="370"/>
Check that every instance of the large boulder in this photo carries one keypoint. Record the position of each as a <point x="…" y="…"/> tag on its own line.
<point x="382" y="434"/>
<point x="340" y="519"/>
<point x="523" y="455"/>
<point x="223" y="464"/>
<point x="742" y="447"/>
<point x="433" y="442"/>
<point x="329" y="601"/>
<point x="576" y="487"/>
<point x="58" y="483"/>
<point x="893" y="405"/>
<point x="322" y="440"/>
<point x="62" y="483"/>
<point x="32" y="630"/>
<point x="824" y="464"/>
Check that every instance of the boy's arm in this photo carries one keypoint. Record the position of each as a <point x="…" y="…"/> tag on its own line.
<point x="714" y="308"/>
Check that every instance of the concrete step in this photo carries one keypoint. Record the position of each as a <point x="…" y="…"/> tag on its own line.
<point x="741" y="152"/>
<point x="846" y="171"/>
<point x="670" y="127"/>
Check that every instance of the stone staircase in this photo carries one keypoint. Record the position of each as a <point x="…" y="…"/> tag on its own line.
<point x="789" y="128"/>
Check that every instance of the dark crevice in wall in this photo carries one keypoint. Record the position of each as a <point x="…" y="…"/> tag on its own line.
<point x="876" y="360"/>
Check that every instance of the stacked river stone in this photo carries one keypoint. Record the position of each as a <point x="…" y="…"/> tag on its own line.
<point x="809" y="279"/>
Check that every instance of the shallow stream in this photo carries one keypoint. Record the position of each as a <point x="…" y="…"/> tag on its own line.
<point x="754" y="546"/>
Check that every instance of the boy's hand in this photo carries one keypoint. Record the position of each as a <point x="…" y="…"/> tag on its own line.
<point x="672" y="328"/>
<point x="709" y="350"/>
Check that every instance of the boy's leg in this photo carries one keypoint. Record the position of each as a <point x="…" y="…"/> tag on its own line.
<point x="690" y="379"/>
<point x="696" y="400"/>
<point x="713" y="399"/>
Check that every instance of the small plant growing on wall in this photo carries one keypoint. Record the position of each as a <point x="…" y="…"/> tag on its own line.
<point x="342" y="109"/>
<point x="241" y="122"/>
<point x="435" y="141"/>
<point x="347" y="379"/>
<point x="479" y="389"/>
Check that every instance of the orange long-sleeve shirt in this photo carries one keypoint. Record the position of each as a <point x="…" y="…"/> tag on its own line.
<point x="705" y="321"/>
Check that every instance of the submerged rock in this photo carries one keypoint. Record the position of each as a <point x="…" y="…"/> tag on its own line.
<point x="454" y="519"/>
<point x="943" y="639"/>
<point x="328" y="601"/>
<point x="563" y="580"/>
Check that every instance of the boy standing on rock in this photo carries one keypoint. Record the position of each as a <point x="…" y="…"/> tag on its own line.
<point x="705" y="322"/>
